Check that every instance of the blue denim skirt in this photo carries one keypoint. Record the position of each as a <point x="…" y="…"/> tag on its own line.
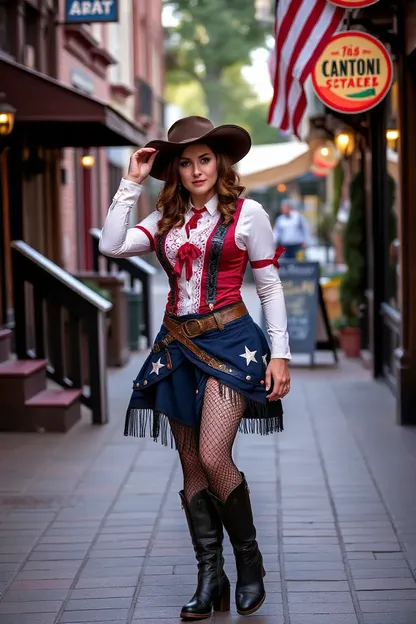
<point x="161" y="394"/>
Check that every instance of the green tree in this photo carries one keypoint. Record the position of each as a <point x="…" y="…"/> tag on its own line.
<point x="210" y="37"/>
<point x="240" y="104"/>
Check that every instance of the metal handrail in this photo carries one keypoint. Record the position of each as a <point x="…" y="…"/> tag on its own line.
<point x="59" y="274"/>
<point x="63" y="321"/>
<point x="137" y="269"/>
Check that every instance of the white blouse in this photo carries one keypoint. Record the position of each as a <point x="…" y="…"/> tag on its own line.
<point x="253" y="233"/>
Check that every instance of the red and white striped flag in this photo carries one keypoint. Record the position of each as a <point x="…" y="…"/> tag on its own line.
<point x="302" y="30"/>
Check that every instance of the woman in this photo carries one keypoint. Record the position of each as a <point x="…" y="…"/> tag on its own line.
<point x="210" y="371"/>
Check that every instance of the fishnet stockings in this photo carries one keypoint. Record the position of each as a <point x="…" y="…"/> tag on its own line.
<point x="210" y="462"/>
<point x="194" y="477"/>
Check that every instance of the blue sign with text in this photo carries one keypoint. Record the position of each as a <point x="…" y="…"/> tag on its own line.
<point x="87" y="11"/>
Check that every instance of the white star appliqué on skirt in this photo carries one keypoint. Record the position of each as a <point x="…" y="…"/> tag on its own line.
<point x="264" y="358"/>
<point x="250" y="356"/>
<point x="156" y="366"/>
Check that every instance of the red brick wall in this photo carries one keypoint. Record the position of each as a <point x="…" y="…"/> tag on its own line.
<point x="148" y="43"/>
<point x="72" y="234"/>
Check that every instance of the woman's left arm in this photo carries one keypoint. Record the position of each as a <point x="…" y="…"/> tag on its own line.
<point x="256" y="234"/>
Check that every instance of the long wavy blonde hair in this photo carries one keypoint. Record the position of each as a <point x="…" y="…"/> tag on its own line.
<point x="173" y="200"/>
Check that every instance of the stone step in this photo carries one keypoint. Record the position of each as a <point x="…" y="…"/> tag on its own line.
<point x="53" y="410"/>
<point x="20" y="380"/>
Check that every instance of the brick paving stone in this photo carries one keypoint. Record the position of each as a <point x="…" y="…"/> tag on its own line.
<point x="40" y="584"/>
<point x="362" y="554"/>
<point x="185" y="590"/>
<point x="321" y="608"/>
<point x="102" y="592"/>
<point x="389" y="618"/>
<point x="388" y="594"/>
<point x="169" y="620"/>
<point x="321" y="586"/>
<point x="388" y="606"/>
<point x="47" y="575"/>
<point x="374" y="547"/>
<point x="298" y="541"/>
<point x="28" y="618"/>
<point x="315" y="557"/>
<point x="58" y="555"/>
<point x="12" y="558"/>
<point x="314" y="575"/>
<point x="98" y="603"/>
<point x="389" y="555"/>
<point x="119" y="544"/>
<point x="123" y="621"/>
<point x="104" y="582"/>
<point x="382" y="573"/>
<point x="312" y="548"/>
<point x="254" y="619"/>
<point x="320" y="597"/>
<point x="63" y="566"/>
<point x="99" y="615"/>
<point x="62" y="547"/>
<point x="333" y="618"/>
<point x="376" y="564"/>
<point x="128" y="562"/>
<point x="32" y="595"/>
<point x="326" y="566"/>
<point x="381" y="583"/>
<point x="308" y="533"/>
<point x="117" y="573"/>
<point x="40" y="606"/>
<point x="109" y="553"/>
<point x="71" y="540"/>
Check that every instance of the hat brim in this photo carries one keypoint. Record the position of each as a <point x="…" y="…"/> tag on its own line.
<point x="228" y="139"/>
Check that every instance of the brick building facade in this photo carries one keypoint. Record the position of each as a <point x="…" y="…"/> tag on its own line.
<point x="79" y="89"/>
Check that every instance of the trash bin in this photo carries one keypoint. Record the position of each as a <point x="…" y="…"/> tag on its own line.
<point x="135" y="318"/>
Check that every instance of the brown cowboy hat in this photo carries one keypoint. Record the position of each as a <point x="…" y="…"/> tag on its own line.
<point x="227" y="139"/>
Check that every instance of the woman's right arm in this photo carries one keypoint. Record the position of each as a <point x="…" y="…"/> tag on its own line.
<point x="117" y="239"/>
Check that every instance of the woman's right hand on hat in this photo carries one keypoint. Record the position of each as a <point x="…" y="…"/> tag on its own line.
<point x="141" y="163"/>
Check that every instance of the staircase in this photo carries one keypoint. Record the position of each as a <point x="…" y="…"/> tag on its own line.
<point x="26" y="404"/>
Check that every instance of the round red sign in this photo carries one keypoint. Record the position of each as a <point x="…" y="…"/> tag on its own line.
<point x="353" y="4"/>
<point x="354" y="72"/>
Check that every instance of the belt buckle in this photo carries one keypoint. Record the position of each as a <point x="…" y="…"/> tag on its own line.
<point x="188" y="331"/>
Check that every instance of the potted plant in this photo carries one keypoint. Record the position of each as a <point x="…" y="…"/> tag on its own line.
<point x="352" y="288"/>
<point x="349" y="335"/>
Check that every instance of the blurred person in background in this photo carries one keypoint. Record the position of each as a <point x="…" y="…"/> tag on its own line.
<point x="210" y="371"/>
<point x="290" y="230"/>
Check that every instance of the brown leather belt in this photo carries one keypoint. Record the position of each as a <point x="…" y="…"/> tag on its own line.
<point x="184" y="331"/>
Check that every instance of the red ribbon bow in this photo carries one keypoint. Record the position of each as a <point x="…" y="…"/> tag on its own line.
<point x="186" y="255"/>
<point x="260" y="264"/>
<point x="193" y="221"/>
<point x="279" y="251"/>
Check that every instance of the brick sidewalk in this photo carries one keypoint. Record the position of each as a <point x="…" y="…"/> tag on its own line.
<point x="91" y="528"/>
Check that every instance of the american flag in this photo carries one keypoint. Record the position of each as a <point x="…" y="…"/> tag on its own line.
<point x="302" y="30"/>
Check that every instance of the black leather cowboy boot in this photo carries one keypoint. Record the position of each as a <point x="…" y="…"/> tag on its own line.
<point x="213" y="590"/>
<point x="237" y="518"/>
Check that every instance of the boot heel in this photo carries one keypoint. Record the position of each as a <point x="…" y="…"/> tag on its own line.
<point x="222" y="604"/>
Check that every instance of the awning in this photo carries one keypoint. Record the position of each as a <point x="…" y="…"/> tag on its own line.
<point x="268" y="165"/>
<point x="55" y="115"/>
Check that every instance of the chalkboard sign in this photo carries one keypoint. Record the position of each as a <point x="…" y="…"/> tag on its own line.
<point x="300" y="284"/>
<point x="307" y="319"/>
